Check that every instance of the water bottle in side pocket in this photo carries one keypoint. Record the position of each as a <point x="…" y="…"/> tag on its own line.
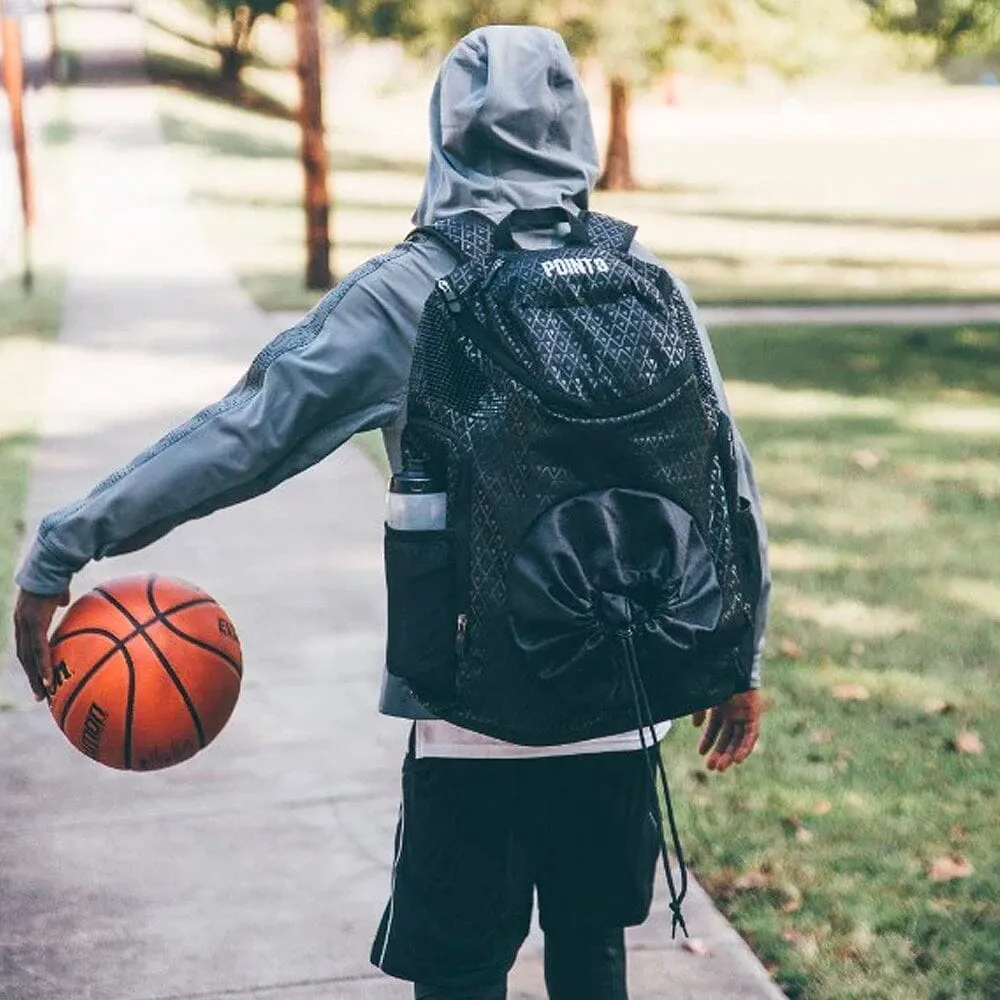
<point x="416" y="500"/>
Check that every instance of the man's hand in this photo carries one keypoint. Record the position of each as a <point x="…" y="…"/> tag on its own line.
<point x="32" y="618"/>
<point x="733" y="728"/>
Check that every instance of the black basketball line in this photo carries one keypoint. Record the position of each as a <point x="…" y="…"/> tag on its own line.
<point x="181" y="690"/>
<point x="150" y="591"/>
<point x="125" y="639"/>
<point x="207" y="646"/>
<point x="101" y="592"/>
<point x="92" y="630"/>
<point x="129" y="709"/>
<point x="117" y="648"/>
<point x="183" y="606"/>
<point x="161" y="616"/>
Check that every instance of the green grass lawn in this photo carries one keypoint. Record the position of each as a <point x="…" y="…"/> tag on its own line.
<point x="30" y="320"/>
<point x="817" y="209"/>
<point x="878" y="453"/>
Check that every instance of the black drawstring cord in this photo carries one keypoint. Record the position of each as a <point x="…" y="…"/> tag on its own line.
<point x="644" y="716"/>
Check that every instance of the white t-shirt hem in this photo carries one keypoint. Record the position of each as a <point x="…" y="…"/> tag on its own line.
<point x="437" y="738"/>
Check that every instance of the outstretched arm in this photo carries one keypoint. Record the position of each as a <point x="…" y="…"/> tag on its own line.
<point x="342" y="369"/>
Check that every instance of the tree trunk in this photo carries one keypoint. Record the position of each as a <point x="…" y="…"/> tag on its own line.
<point x="231" y="68"/>
<point x="314" y="160"/>
<point x="617" y="174"/>
<point x="235" y="53"/>
<point x="13" y="83"/>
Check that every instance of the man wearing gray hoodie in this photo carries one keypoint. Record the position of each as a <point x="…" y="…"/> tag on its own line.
<point x="483" y="824"/>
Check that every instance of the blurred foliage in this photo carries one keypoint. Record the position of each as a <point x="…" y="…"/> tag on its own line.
<point x="635" y="40"/>
<point x="954" y="26"/>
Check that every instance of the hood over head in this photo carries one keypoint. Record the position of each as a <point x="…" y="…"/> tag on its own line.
<point x="510" y="127"/>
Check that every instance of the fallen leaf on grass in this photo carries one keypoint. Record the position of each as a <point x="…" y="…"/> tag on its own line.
<point x="938" y="706"/>
<point x="822" y="807"/>
<point x="697" y="947"/>
<point x="949" y="868"/>
<point x="851" y="692"/>
<point x="867" y="459"/>
<point x="968" y="741"/>
<point x="804" y="943"/>
<point x="794" y="826"/>
<point x="749" y="881"/>
<point x="793" y="898"/>
<point x="790" y="649"/>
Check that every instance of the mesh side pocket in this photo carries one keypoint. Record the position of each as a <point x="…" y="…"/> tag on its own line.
<point x="420" y="578"/>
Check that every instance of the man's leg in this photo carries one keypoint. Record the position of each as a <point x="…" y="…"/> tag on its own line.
<point x="496" y="990"/>
<point x="594" y="852"/>
<point x="461" y="887"/>
<point x="585" y="965"/>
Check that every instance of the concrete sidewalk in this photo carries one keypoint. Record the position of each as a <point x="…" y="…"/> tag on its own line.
<point x="260" y="867"/>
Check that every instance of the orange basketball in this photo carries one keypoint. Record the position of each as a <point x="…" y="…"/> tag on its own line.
<point x="146" y="672"/>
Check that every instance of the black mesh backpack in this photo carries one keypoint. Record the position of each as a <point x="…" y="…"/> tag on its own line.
<point x="598" y="572"/>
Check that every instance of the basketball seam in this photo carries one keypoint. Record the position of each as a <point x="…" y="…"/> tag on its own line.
<point x="181" y="690"/>
<point x="161" y="616"/>
<point x="92" y="630"/>
<point x="208" y="647"/>
<point x="129" y="710"/>
<point x="124" y="640"/>
<point x="75" y="693"/>
<point x="184" y="605"/>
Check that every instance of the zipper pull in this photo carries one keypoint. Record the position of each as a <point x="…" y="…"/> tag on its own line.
<point x="450" y="295"/>
<point x="460" y="633"/>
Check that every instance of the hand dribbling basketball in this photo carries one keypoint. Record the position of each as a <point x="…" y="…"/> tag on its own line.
<point x="142" y="672"/>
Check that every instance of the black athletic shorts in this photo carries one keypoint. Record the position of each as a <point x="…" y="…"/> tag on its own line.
<point x="477" y="838"/>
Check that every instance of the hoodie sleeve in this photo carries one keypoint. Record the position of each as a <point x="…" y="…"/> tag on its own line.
<point x="341" y="370"/>
<point x="747" y="481"/>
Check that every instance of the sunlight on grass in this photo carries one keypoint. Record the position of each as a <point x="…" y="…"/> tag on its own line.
<point x="949" y="418"/>
<point x="761" y="401"/>
<point x="852" y="617"/>
<point x="795" y="557"/>
<point x="927" y="695"/>
<point x="980" y="475"/>
<point x="981" y="596"/>
<point x="858" y="521"/>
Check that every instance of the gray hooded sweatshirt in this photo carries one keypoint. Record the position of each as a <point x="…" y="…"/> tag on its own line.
<point x="510" y="128"/>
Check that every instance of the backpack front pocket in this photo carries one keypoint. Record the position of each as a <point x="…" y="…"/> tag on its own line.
<point x="423" y="613"/>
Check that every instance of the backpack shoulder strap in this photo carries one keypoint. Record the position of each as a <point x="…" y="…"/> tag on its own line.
<point x="469" y="236"/>
<point x="609" y="233"/>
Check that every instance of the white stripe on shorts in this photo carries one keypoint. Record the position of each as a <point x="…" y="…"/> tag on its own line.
<point x="392" y="891"/>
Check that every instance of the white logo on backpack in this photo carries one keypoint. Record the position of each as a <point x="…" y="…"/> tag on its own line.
<point x="566" y="266"/>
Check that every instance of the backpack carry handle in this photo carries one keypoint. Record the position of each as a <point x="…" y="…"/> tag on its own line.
<point x="539" y="218"/>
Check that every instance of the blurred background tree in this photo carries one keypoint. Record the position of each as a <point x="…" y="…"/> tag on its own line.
<point x="952" y="26"/>
<point x="236" y="22"/>
<point x="636" y="41"/>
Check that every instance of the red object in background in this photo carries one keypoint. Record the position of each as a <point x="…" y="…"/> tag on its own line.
<point x="13" y="82"/>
